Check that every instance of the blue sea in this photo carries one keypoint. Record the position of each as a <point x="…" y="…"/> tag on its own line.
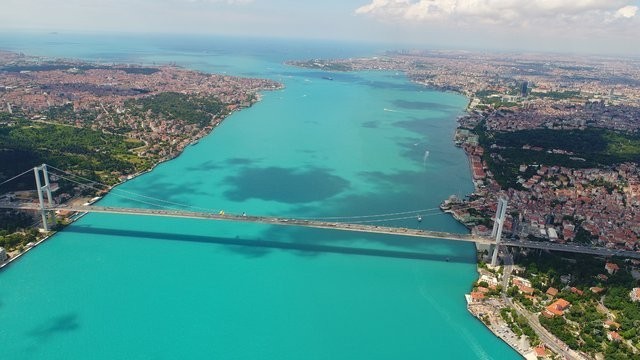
<point x="130" y="287"/>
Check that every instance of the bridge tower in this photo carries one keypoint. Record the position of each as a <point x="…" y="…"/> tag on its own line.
<point x="498" y="223"/>
<point x="47" y="189"/>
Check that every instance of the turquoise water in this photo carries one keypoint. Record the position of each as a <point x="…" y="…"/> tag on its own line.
<point x="113" y="287"/>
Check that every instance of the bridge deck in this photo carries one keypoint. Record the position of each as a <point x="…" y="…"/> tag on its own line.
<point x="270" y="220"/>
<point x="337" y="226"/>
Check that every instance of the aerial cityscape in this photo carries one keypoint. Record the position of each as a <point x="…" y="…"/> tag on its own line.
<point x="371" y="190"/>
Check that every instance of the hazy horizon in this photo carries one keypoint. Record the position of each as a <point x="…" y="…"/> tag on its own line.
<point x="582" y="26"/>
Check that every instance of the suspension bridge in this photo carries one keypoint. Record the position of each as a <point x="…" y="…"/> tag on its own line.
<point x="363" y="223"/>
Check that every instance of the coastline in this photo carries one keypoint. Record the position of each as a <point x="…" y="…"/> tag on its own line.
<point x="206" y="131"/>
<point x="487" y="312"/>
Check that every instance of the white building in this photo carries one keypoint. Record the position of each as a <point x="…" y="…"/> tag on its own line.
<point x="3" y="255"/>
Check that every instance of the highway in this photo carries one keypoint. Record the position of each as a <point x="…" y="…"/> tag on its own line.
<point x="335" y="226"/>
<point x="265" y="220"/>
<point x="573" y="248"/>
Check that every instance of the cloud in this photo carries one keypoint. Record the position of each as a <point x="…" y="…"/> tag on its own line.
<point x="512" y="12"/>
<point x="626" y="12"/>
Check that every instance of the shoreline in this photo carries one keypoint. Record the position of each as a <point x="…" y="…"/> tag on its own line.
<point x="206" y="131"/>
<point x="499" y="328"/>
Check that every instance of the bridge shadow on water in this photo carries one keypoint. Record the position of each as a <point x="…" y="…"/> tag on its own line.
<point x="270" y="244"/>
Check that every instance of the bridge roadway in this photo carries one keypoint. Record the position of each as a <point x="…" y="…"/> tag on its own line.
<point x="337" y="226"/>
<point x="265" y="220"/>
<point x="572" y="248"/>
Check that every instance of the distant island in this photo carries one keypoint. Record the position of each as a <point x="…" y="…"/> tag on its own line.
<point x="559" y="136"/>
<point x="106" y="123"/>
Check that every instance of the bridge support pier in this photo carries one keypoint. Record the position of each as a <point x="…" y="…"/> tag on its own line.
<point x="498" y="223"/>
<point x="47" y="190"/>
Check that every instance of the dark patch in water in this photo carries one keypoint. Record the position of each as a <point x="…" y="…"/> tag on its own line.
<point x="241" y="161"/>
<point x="145" y="195"/>
<point x="217" y="165"/>
<point x="418" y="126"/>
<point x="284" y="185"/>
<point x="386" y="85"/>
<point x="370" y="124"/>
<point x="422" y="105"/>
<point x="59" y="324"/>
<point x="297" y="248"/>
<point x="206" y="166"/>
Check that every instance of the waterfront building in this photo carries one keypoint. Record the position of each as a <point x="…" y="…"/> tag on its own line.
<point x="477" y="297"/>
<point x="540" y="351"/>
<point x="3" y="255"/>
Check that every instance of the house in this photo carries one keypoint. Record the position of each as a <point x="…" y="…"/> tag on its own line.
<point x="611" y="268"/>
<point x="517" y="281"/>
<point x="525" y="289"/>
<point x="577" y="291"/>
<point x="491" y="280"/>
<point x="557" y="308"/>
<point x="540" y="351"/>
<point x="635" y="294"/>
<point x="596" y="290"/>
<point x="602" y="277"/>
<point x="610" y="324"/>
<point x="552" y="291"/>
<point x="477" y="297"/>
<point x="614" y="336"/>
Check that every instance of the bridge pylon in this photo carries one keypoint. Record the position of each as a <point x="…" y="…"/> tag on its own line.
<point x="498" y="223"/>
<point x="47" y="189"/>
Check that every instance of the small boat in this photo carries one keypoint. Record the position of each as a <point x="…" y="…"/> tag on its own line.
<point x="327" y="77"/>
<point x="419" y="218"/>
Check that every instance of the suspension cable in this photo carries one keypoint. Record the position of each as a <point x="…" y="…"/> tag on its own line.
<point x="15" y="177"/>
<point x="373" y="215"/>
<point x="393" y="219"/>
<point x="114" y="189"/>
<point x="119" y="195"/>
<point x="384" y="217"/>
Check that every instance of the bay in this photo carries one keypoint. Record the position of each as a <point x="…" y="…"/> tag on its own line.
<point x="113" y="286"/>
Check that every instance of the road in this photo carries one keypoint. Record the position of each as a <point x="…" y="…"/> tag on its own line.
<point x="545" y="336"/>
<point x="266" y="220"/>
<point x="336" y="226"/>
<point x="572" y="248"/>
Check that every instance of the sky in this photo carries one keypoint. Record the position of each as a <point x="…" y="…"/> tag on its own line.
<point x="583" y="26"/>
